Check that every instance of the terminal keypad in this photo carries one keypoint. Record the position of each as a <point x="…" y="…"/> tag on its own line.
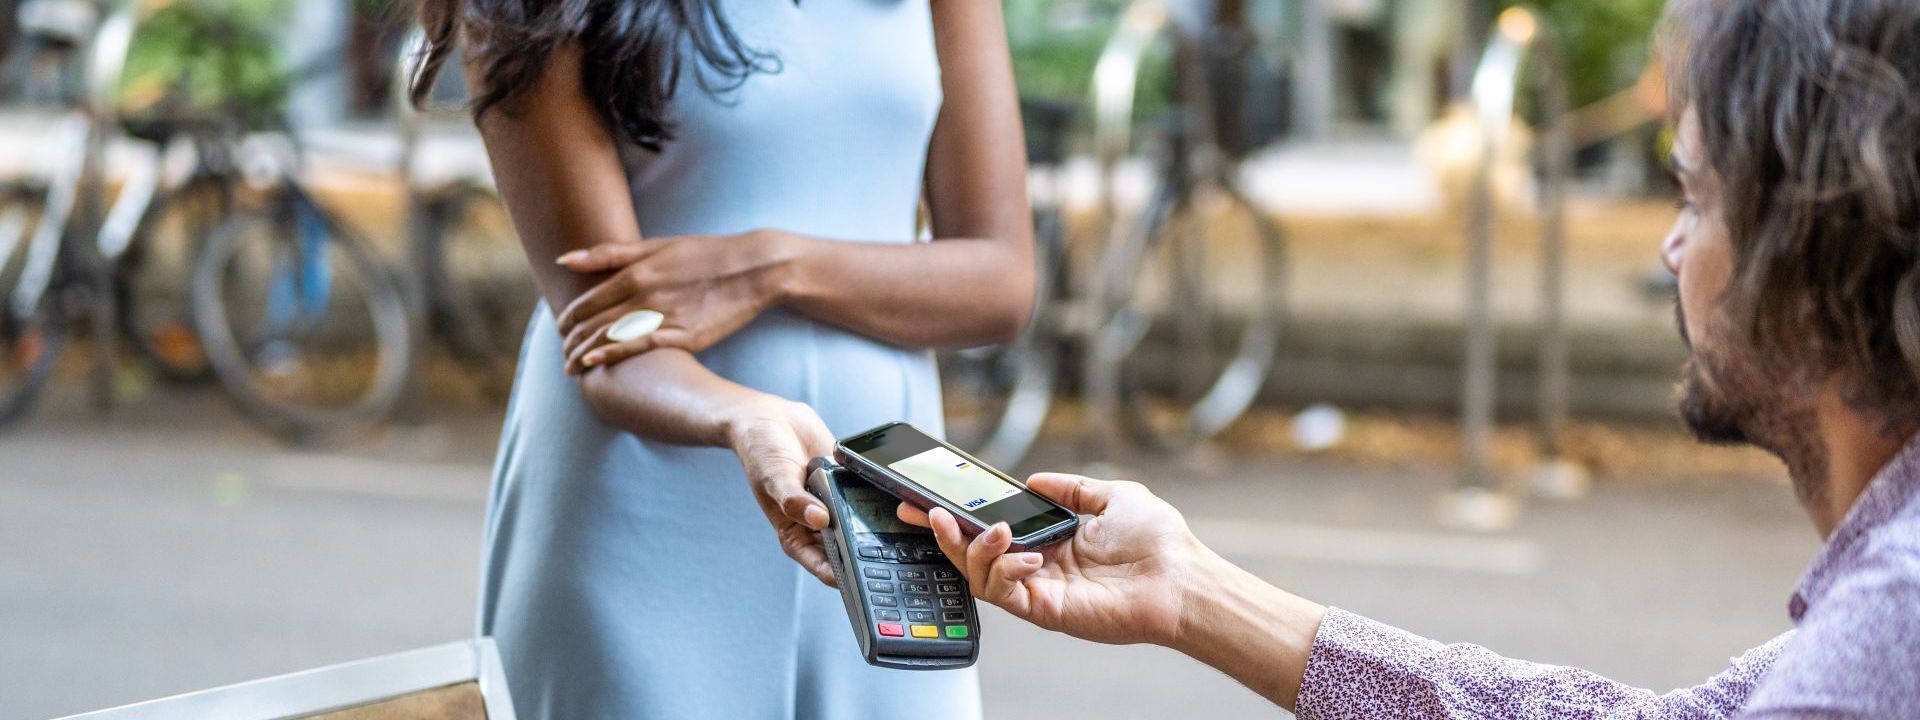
<point x="931" y="596"/>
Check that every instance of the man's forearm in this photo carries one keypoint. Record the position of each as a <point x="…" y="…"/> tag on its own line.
<point x="1239" y="624"/>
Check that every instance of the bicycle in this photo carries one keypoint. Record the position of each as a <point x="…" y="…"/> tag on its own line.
<point x="473" y="293"/>
<point x="285" y="298"/>
<point x="292" y="310"/>
<point x="1171" y="273"/>
<point x="50" y="275"/>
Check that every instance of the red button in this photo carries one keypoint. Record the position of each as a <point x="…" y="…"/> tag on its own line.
<point x="891" y="630"/>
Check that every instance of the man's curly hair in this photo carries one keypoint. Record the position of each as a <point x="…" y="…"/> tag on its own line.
<point x="1809" y="113"/>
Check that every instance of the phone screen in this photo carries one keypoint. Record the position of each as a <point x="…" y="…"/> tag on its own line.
<point x="983" y="492"/>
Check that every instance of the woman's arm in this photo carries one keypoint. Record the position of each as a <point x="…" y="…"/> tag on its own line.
<point x="977" y="278"/>
<point x="565" y="189"/>
<point x="973" y="285"/>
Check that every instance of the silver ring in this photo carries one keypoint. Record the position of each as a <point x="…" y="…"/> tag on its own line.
<point x="635" y="325"/>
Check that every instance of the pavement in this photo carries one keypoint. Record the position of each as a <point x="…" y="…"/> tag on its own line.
<point x="169" y="547"/>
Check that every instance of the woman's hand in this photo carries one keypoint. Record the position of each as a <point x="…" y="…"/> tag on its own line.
<point x="1121" y="579"/>
<point x="774" y="440"/>
<point x="707" y="286"/>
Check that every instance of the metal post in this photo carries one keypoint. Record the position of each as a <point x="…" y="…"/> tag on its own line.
<point x="1517" y="40"/>
<point x="1314" y="71"/>
<point x="1480" y="376"/>
<point x="1553" y="259"/>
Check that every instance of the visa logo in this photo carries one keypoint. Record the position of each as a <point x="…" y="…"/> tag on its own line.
<point x="976" y="502"/>
<point x="962" y="465"/>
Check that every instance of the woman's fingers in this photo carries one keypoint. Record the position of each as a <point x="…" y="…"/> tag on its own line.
<point x="797" y="541"/>
<point x="663" y="338"/>
<point x="598" y="300"/>
<point x="586" y="334"/>
<point x="782" y="482"/>
<point x="589" y="346"/>
<point x="800" y="506"/>
<point x="607" y="256"/>
<point x="812" y="557"/>
<point x="814" y="435"/>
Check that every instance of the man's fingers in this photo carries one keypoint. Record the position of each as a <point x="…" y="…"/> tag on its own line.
<point x="913" y="516"/>
<point x="1081" y="494"/>
<point x="986" y="548"/>
<point x="1004" y="581"/>
<point x="946" y="532"/>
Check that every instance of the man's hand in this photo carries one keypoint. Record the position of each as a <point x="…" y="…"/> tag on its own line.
<point x="1135" y="573"/>
<point x="774" y="440"/>
<point x="1120" y="578"/>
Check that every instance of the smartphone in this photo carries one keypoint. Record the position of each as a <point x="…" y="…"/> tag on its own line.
<point x="909" y="605"/>
<point x="928" y="473"/>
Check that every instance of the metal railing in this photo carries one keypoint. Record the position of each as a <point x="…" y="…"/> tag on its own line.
<point x="339" y="688"/>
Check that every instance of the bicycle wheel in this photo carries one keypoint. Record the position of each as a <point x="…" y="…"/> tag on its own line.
<point x="31" y="328"/>
<point x="305" y="328"/>
<point x="1197" y="304"/>
<point x="152" y="278"/>
<point x="478" y="290"/>
<point x="996" y="398"/>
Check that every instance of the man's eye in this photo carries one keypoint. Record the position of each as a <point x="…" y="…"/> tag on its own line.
<point x="1682" y="204"/>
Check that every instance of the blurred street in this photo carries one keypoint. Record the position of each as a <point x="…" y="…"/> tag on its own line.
<point x="170" y="548"/>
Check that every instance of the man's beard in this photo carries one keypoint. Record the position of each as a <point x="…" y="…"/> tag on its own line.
<point x="1759" y="401"/>
<point x="1710" y="420"/>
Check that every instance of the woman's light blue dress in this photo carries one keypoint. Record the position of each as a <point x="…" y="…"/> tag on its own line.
<point x="628" y="579"/>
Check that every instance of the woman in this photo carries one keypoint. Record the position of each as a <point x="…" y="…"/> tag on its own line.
<point x="750" y="169"/>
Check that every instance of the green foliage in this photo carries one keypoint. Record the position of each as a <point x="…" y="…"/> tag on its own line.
<point x="208" y="59"/>
<point x="1606" y="42"/>
<point x="1056" y="43"/>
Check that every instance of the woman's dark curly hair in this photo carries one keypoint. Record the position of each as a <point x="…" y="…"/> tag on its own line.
<point x="1809" y="113"/>
<point x="632" y="52"/>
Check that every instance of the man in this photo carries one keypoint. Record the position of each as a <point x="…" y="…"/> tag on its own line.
<point x="1798" y="255"/>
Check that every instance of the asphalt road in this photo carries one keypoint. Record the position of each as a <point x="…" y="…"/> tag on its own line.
<point x="170" y="548"/>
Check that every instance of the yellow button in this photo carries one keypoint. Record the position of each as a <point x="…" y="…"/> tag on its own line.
<point x="925" y="631"/>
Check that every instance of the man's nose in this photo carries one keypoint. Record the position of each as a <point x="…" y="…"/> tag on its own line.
<point x="1672" y="250"/>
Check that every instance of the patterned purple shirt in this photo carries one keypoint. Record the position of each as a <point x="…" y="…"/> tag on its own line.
<point x="1854" y="651"/>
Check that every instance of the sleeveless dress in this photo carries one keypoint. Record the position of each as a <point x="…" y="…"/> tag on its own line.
<point x="629" y="579"/>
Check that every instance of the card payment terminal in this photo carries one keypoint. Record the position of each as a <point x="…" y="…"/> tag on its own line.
<point x="910" y="608"/>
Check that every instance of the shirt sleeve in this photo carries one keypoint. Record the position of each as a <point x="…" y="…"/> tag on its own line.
<point x="1855" y="653"/>
<point x="1364" y="669"/>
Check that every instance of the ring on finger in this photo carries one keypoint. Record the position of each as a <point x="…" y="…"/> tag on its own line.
<point x="635" y="325"/>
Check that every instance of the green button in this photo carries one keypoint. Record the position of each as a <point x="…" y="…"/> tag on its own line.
<point x="956" y="631"/>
